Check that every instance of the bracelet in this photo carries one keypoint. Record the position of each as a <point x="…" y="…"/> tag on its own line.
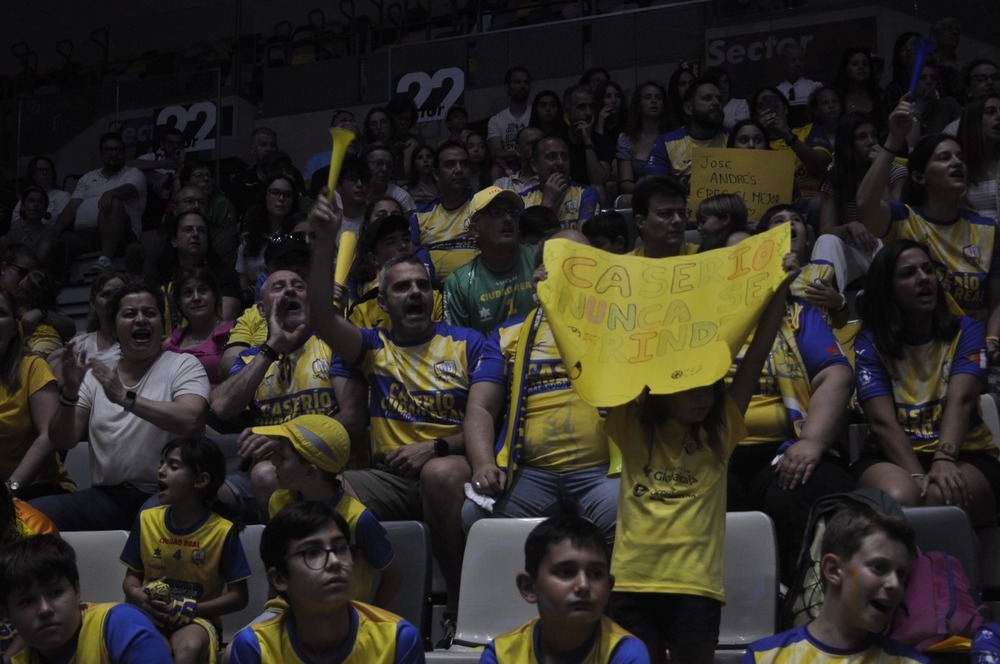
<point x="68" y="401"/>
<point x="949" y="460"/>
<point x="917" y="476"/>
<point x="904" y="152"/>
<point x="268" y="352"/>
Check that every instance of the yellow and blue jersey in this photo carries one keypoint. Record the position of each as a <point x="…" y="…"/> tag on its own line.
<point x="918" y="383"/>
<point x="250" y="329"/>
<point x="299" y="383"/>
<point x="418" y="391"/>
<point x="814" y="137"/>
<point x="197" y="562"/>
<point x="562" y="432"/>
<point x="367" y="535"/>
<point x="376" y="636"/>
<point x="798" y="646"/>
<point x="368" y="314"/>
<point x="966" y="251"/>
<point x="671" y="504"/>
<point x="610" y="644"/>
<point x="444" y="234"/>
<point x="111" y="634"/>
<point x="673" y="153"/>
<point x="579" y="203"/>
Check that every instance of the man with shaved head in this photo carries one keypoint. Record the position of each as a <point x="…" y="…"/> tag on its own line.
<point x="562" y="451"/>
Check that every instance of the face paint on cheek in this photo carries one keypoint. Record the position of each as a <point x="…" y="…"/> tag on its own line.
<point x="855" y="598"/>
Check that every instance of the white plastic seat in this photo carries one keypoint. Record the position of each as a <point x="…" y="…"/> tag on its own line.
<point x="750" y="579"/>
<point x="97" y="559"/>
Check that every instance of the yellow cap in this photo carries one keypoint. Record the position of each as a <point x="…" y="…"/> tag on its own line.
<point x="321" y="440"/>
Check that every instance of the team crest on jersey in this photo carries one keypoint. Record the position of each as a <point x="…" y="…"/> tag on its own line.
<point x="198" y="556"/>
<point x="571" y="207"/>
<point x="157" y="553"/>
<point x="447" y="369"/>
<point x="972" y="254"/>
<point x="864" y="377"/>
<point x="321" y="367"/>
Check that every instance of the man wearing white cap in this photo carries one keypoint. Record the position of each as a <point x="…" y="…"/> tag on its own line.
<point x="496" y="284"/>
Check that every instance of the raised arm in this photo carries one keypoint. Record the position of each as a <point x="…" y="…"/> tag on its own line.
<point x="70" y="420"/>
<point x="183" y="415"/>
<point x="874" y="209"/>
<point x="327" y="318"/>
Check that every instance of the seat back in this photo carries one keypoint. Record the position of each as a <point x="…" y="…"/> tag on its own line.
<point x="258" y="587"/>
<point x="947" y="528"/>
<point x="489" y="602"/>
<point x="411" y="542"/>
<point x="990" y="415"/>
<point x="97" y="559"/>
<point x="750" y="578"/>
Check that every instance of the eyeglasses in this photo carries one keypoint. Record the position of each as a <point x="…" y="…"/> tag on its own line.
<point x="982" y="78"/>
<point x="317" y="557"/>
<point x="379" y="163"/>
<point x="497" y="214"/>
<point x="280" y="194"/>
<point x="201" y="175"/>
<point x="670" y="213"/>
<point x="22" y="271"/>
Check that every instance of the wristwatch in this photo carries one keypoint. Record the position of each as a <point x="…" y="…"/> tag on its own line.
<point x="948" y="448"/>
<point x="441" y="447"/>
<point x="13" y="486"/>
<point x="129" y="402"/>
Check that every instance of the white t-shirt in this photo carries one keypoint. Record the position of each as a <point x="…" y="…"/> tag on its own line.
<point x="123" y="446"/>
<point x="505" y="125"/>
<point x="92" y="186"/>
<point x="57" y="201"/>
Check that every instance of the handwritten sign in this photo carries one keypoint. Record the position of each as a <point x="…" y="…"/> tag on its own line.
<point x="762" y="178"/>
<point x="624" y="322"/>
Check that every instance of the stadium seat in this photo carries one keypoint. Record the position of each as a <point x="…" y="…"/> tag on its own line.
<point x="97" y="558"/>
<point x="411" y="541"/>
<point x="257" y="585"/>
<point x="947" y="528"/>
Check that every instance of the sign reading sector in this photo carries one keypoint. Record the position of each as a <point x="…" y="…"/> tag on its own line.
<point x="624" y="322"/>
<point x="762" y="178"/>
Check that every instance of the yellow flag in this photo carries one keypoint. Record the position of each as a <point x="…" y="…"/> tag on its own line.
<point x="624" y="322"/>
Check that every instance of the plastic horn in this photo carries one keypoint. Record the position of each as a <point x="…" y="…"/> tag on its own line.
<point x="342" y="139"/>
<point x="345" y="256"/>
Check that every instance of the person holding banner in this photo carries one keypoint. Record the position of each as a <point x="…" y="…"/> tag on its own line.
<point x="660" y="212"/>
<point x="965" y="246"/>
<point x="419" y="375"/>
<point x="675" y="447"/>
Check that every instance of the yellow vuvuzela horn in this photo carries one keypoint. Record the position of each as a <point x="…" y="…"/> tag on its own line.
<point x="342" y="139"/>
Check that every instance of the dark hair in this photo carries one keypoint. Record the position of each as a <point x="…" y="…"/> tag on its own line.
<point x="509" y="74"/>
<point x="414" y="179"/>
<point x="409" y="259"/>
<point x="40" y="559"/>
<point x="813" y="102"/>
<point x="849" y="167"/>
<point x="292" y="522"/>
<point x="538" y="220"/>
<point x="38" y="290"/>
<point x="881" y="313"/>
<point x="581" y="533"/>
<point x="110" y="136"/>
<point x="354" y="167"/>
<point x="189" y="167"/>
<point x="841" y="83"/>
<point x="536" y="146"/>
<point x="733" y="209"/>
<point x="764" y="224"/>
<point x="773" y="90"/>
<point x="197" y="273"/>
<point x="589" y="74"/>
<point x="93" y="320"/>
<point x="201" y="455"/>
<point x="257" y="131"/>
<point x="900" y="69"/>
<point x="34" y="189"/>
<point x="915" y="193"/>
<point x="734" y="134"/>
<point x="366" y="131"/>
<point x="611" y="130"/>
<point x="447" y="145"/>
<point x="457" y="108"/>
<point x="485" y="169"/>
<point x="976" y="152"/>
<point x="558" y="127"/>
<point x="967" y="74"/>
<point x="362" y="271"/>
<point x="11" y="356"/>
<point x="692" y="90"/>
<point x="256" y="220"/>
<point x="673" y="103"/>
<point x="131" y="287"/>
<point x="655" y="186"/>
<point x="33" y="165"/>
<point x="609" y="224"/>
<point x="398" y="106"/>
<point x="854" y="521"/>
<point x="574" y="89"/>
<point x="634" y="123"/>
<point x="167" y="262"/>
<point x="654" y="412"/>
<point x="714" y="75"/>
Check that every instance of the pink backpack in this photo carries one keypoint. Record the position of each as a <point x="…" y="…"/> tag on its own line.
<point x="939" y="602"/>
